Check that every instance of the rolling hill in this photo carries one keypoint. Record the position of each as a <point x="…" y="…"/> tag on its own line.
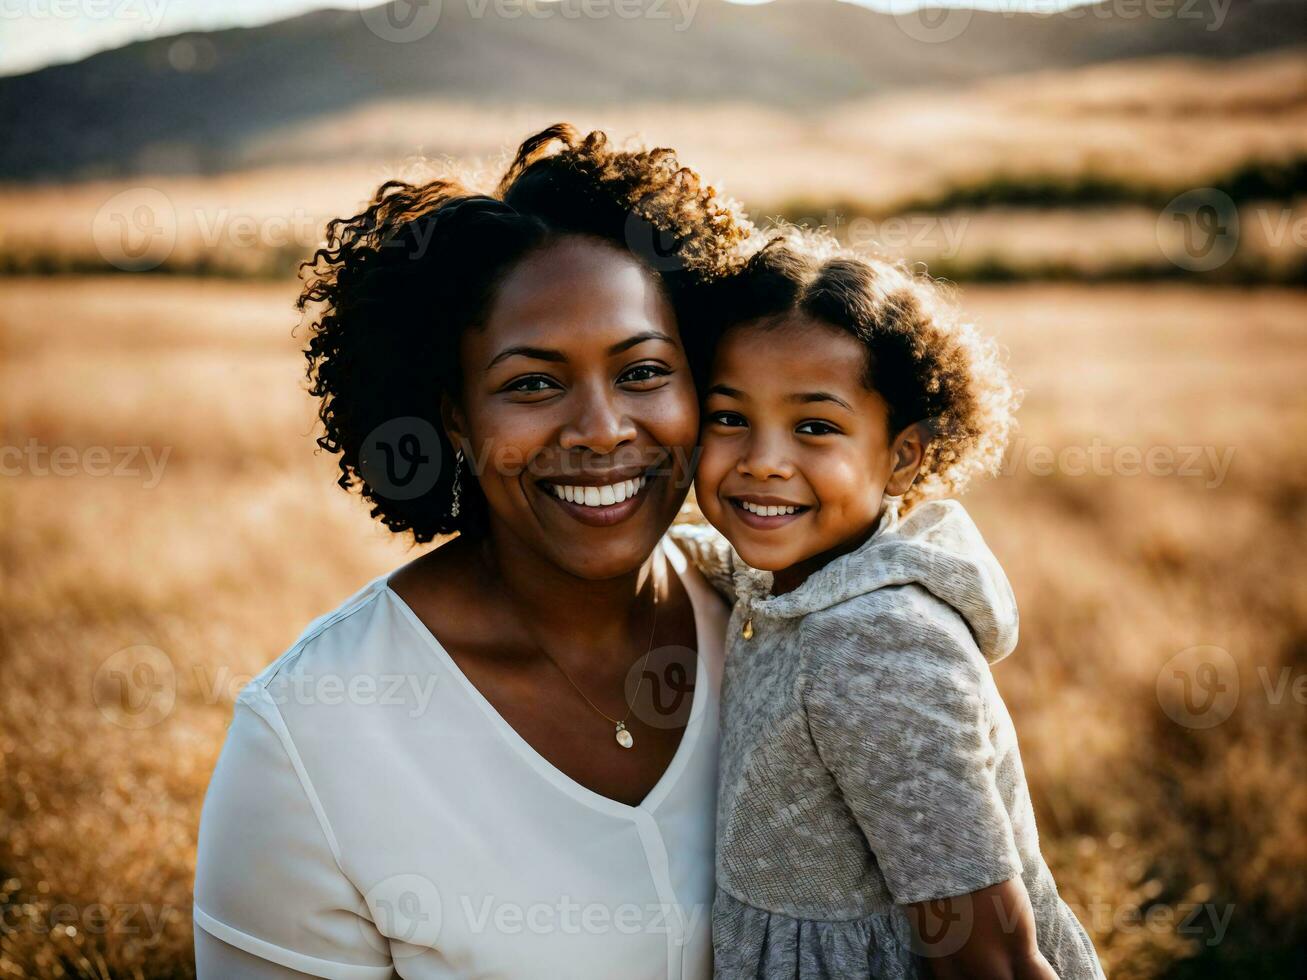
<point x="190" y="103"/>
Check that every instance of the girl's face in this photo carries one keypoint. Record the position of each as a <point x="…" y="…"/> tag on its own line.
<point x="797" y="454"/>
<point x="579" y="415"/>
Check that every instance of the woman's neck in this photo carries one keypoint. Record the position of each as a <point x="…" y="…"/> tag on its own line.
<point x="559" y="604"/>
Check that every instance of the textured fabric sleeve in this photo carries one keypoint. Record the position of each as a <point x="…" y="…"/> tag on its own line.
<point x="267" y="878"/>
<point x="711" y="553"/>
<point x="897" y="706"/>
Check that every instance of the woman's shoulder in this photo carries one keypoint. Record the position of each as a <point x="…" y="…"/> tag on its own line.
<point x="359" y="634"/>
<point x="326" y="637"/>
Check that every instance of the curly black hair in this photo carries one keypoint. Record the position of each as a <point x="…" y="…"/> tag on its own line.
<point x="928" y="363"/>
<point x="395" y="286"/>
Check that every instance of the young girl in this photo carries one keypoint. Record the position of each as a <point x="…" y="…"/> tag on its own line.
<point x="873" y="817"/>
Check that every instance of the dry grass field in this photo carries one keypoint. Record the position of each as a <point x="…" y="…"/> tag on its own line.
<point x="184" y="567"/>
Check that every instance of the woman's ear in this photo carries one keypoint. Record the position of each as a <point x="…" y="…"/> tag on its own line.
<point x="451" y="419"/>
<point x="908" y="451"/>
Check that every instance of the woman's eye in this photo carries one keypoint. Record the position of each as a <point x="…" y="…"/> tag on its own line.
<point x="731" y="420"/>
<point x="643" y="372"/>
<point x="815" y="427"/>
<point x="531" y="384"/>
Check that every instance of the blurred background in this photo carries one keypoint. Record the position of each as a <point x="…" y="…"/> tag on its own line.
<point x="1118" y="191"/>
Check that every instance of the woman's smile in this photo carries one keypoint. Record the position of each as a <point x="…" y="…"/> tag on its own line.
<point x="600" y="500"/>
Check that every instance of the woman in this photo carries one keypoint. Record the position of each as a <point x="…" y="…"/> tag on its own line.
<point x="499" y="760"/>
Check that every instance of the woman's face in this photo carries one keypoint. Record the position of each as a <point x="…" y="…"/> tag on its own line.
<point x="579" y="415"/>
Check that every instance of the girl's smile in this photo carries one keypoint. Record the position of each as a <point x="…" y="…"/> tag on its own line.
<point x="764" y="511"/>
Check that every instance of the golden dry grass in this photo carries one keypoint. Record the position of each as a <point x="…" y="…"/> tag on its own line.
<point x="1151" y="826"/>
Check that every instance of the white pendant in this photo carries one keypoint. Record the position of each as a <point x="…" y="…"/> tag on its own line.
<point x="624" y="738"/>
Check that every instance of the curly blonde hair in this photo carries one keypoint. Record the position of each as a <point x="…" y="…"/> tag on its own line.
<point x="395" y="287"/>
<point x="927" y="361"/>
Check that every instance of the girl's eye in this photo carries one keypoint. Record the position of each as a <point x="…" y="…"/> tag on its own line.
<point x="643" y="373"/>
<point x="732" y="420"/>
<point x="531" y="384"/>
<point x="816" y="427"/>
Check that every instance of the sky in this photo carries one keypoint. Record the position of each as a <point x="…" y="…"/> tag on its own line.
<point x="35" y="33"/>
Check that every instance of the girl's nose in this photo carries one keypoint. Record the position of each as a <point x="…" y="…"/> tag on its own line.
<point x="764" y="459"/>
<point x="598" y="423"/>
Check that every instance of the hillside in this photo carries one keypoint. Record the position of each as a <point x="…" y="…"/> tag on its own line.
<point x="194" y="103"/>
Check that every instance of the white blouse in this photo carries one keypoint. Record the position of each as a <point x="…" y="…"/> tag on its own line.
<point x="373" y="815"/>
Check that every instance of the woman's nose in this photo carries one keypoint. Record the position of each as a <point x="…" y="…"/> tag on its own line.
<point x="599" y="424"/>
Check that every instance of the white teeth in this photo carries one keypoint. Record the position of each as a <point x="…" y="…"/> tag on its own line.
<point x="614" y="493"/>
<point x="770" y="510"/>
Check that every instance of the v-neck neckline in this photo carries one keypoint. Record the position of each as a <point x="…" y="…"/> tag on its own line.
<point x="690" y="736"/>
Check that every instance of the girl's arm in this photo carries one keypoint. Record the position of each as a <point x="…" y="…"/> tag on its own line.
<point x="984" y="935"/>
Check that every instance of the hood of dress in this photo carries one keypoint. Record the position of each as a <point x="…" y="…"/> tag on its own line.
<point x="937" y="546"/>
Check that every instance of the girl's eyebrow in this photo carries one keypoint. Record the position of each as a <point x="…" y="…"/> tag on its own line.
<point x="798" y="398"/>
<point x="726" y="390"/>
<point x="808" y="397"/>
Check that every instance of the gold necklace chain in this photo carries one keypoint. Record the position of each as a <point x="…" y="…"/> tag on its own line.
<point x="621" y="733"/>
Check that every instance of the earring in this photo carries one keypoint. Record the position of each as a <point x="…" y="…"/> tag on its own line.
<point x="457" y="490"/>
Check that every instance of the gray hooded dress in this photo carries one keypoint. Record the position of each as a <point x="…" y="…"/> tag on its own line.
<point x="867" y="759"/>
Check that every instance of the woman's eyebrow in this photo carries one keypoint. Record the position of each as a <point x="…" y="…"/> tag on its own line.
<point x="638" y="339"/>
<point x="535" y="353"/>
<point x="557" y="356"/>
